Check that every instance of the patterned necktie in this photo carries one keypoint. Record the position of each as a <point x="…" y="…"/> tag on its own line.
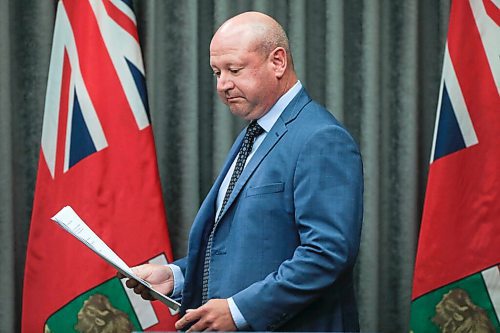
<point x="253" y="131"/>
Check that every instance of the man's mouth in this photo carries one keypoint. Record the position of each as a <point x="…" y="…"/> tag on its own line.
<point x="233" y="98"/>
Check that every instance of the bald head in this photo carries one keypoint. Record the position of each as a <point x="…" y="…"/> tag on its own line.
<point x="249" y="55"/>
<point x="259" y="32"/>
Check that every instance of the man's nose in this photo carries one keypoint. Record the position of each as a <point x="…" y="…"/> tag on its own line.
<point x="224" y="82"/>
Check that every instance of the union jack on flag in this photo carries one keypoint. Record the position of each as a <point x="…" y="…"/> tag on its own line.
<point x="98" y="156"/>
<point x="456" y="283"/>
<point x="115" y="57"/>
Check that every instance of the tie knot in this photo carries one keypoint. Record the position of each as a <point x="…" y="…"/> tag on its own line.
<point x="254" y="130"/>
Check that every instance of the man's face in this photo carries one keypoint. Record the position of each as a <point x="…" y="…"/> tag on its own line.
<point x="246" y="81"/>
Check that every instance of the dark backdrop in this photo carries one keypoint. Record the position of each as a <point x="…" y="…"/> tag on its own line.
<point x="375" y="64"/>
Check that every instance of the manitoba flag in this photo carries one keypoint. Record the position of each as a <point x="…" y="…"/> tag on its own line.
<point x="456" y="284"/>
<point x="98" y="156"/>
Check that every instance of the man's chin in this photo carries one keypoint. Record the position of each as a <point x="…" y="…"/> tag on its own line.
<point x="238" y="112"/>
<point x="247" y="115"/>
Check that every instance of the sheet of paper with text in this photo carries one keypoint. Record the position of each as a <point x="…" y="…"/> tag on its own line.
<point x="69" y="220"/>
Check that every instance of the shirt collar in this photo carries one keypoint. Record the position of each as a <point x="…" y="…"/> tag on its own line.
<point x="267" y="121"/>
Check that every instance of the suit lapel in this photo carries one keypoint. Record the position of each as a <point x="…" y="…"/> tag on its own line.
<point x="207" y="210"/>
<point x="275" y="134"/>
<point x="269" y="142"/>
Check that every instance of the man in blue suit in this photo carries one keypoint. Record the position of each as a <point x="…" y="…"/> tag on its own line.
<point x="274" y="243"/>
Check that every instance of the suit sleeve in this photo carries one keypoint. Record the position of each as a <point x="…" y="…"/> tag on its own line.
<point x="181" y="263"/>
<point x="328" y="191"/>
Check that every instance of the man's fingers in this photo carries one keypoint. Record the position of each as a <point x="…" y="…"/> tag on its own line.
<point x="181" y="323"/>
<point x="191" y="316"/>
<point x="139" y="289"/>
<point x="146" y="295"/>
<point x="213" y="316"/>
<point x="142" y="271"/>
<point x="131" y="283"/>
<point x="200" y="326"/>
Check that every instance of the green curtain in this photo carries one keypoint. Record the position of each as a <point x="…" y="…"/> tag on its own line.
<point x="376" y="64"/>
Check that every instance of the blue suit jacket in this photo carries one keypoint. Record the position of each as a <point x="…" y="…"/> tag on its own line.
<point x="289" y="236"/>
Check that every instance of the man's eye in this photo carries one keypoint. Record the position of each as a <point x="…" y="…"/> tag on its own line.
<point x="216" y="74"/>
<point x="234" y="70"/>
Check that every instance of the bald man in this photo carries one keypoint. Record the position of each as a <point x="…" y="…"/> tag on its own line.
<point x="274" y="243"/>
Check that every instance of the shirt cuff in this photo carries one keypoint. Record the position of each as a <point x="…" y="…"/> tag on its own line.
<point x="178" y="282"/>
<point x="239" y="320"/>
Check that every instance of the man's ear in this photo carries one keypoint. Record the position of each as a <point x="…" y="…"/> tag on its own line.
<point x="279" y="61"/>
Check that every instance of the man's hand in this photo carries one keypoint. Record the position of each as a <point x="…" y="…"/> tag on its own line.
<point x="160" y="277"/>
<point x="213" y="316"/>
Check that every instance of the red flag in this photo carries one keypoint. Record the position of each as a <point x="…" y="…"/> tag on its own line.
<point x="456" y="278"/>
<point x="98" y="156"/>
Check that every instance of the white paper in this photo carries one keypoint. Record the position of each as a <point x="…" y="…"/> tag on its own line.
<point x="72" y="223"/>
